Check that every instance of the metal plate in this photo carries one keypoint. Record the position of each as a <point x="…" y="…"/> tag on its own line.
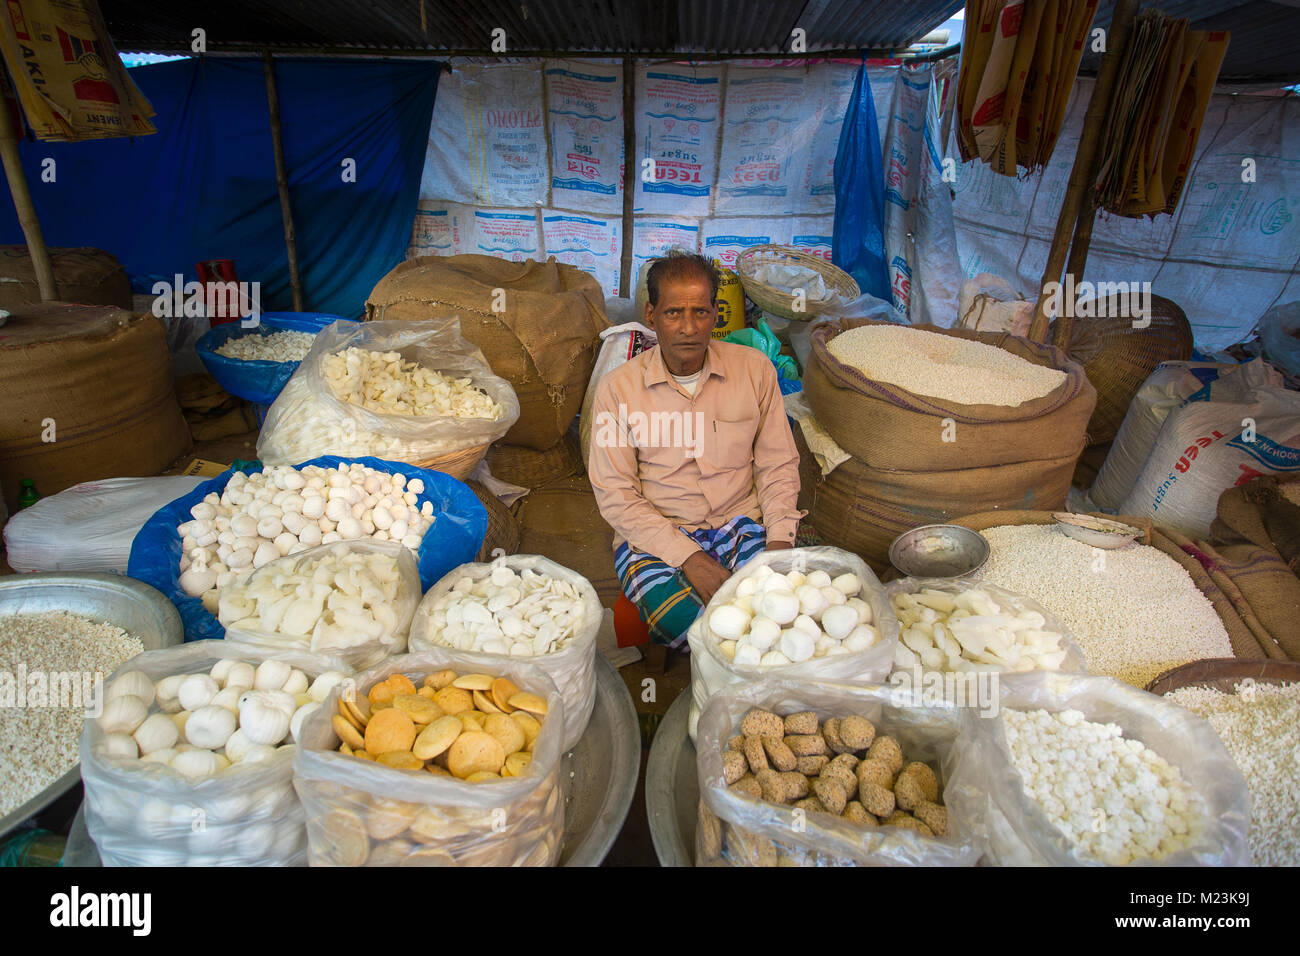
<point x="939" y="551"/>
<point x="672" y="787"/>
<point x="599" y="774"/>
<point x="132" y="605"/>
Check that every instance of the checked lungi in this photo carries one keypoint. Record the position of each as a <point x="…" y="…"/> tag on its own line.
<point x="661" y="592"/>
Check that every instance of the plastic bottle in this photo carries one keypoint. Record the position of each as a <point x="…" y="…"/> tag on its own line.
<point x="27" y="496"/>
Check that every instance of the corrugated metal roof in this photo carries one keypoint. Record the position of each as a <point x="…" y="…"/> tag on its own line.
<point x="532" y="26"/>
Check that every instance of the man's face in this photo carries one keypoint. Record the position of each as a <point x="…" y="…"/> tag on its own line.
<point x="683" y="321"/>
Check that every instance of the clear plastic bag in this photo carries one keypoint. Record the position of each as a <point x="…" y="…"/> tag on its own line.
<point x="1074" y="661"/>
<point x="308" y="420"/>
<point x="1019" y="832"/>
<point x="711" y="671"/>
<point x="358" y="654"/>
<point x="739" y="830"/>
<point x="148" y="814"/>
<point x="572" y="667"/>
<point x="360" y="813"/>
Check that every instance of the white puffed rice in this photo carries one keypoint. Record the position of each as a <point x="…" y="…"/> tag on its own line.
<point x="1133" y="610"/>
<point x="382" y="382"/>
<point x="1258" y="725"/>
<point x="276" y="347"/>
<point x="38" y="742"/>
<point x="943" y="366"/>
<point x="1113" y="797"/>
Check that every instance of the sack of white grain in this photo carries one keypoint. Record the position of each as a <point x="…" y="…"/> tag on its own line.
<point x="142" y="811"/>
<point x="1164" y="390"/>
<point x="415" y="392"/>
<point x="1040" y="810"/>
<point x="1222" y="436"/>
<point x="860" y="652"/>
<point x="736" y="829"/>
<point x="538" y="324"/>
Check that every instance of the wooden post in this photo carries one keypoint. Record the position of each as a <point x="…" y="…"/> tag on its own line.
<point x="282" y="182"/>
<point x="1084" y="173"/>
<point x="1063" y="325"/>
<point x="630" y="172"/>
<point x="27" y="218"/>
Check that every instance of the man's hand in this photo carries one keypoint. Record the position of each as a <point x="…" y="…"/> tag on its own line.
<point x="705" y="575"/>
<point x="779" y="545"/>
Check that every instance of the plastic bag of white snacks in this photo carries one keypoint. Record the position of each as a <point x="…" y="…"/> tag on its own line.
<point x="191" y="761"/>
<point x="428" y="760"/>
<point x="794" y="773"/>
<point x="350" y="599"/>
<point x="802" y="614"/>
<point x="520" y="606"/>
<point x="1086" y="771"/>
<point x="283" y="510"/>
<point x="403" y="391"/>
<point x="968" y="627"/>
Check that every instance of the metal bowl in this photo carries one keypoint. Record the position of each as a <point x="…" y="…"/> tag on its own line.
<point x="142" y="611"/>
<point x="939" y="551"/>
<point x="672" y="787"/>
<point x="1095" y="532"/>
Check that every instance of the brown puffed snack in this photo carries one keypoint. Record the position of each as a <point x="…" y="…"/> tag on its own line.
<point x="876" y="772"/>
<point x="831" y="733"/>
<point x="389" y="730"/>
<point x="908" y="792"/>
<point x="762" y="723"/>
<point x="749" y="786"/>
<point x="858" y="814"/>
<point x="926" y="778"/>
<point x="804" y="722"/>
<point x="709" y="836"/>
<point x="806" y="745"/>
<point x="795" y="784"/>
<point x="933" y="816"/>
<point x="755" y="754"/>
<point x="848" y="761"/>
<point x="810" y="805"/>
<point x="734" y="766"/>
<point x="886" y="748"/>
<point x="750" y="848"/>
<point x="877" y="801"/>
<point x="780" y="756"/>
<point x="900" y="819"/>
<point x="736" y="743"/>
<point x="831" y="794"/>
<point x="773" y="787"/>
<point x="811" y="766"/>
<point x="845" y="777"/>
<point x="857" y="732"/>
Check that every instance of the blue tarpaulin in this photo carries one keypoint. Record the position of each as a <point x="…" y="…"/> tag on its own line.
<point x="203" y="187"/>
<point x="858" y="243"/>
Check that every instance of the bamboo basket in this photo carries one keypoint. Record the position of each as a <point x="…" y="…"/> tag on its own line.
<point x="458" y="463"/>
<point x="779" y="303"/>
<point x="1222" y="673"/>
<point x="502" y="528"/>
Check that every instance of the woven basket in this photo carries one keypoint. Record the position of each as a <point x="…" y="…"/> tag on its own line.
<point x="458" y="464"/>
<point x="502" y="528"/>
<point x="1118" y="358"/>
<point x="1222" y="673"/>
<point x="533" y="469"/>
<point x="776" y="302"/>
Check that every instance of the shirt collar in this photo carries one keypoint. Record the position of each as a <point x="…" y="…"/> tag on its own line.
<point x="656" y="372"/>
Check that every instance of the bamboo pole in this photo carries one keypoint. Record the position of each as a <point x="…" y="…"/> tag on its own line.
<point x="631" y="169"/>
<point x="1064" y="323"/>
<point x="282" y="181"/>
<point x="27" y="218"/>
<point x="1084" y="173"/>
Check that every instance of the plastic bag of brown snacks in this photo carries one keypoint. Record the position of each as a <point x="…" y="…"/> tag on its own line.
<point x="386" y="777"/>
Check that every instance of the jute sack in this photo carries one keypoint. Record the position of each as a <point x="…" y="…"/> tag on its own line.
<point x="543" y="340"/>
<point x="886" y="426"/>
<point x="87" y="393"/>
<point x="85" y="275"/>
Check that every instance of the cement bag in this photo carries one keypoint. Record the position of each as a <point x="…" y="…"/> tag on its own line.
<point x="1222" y="436"/>
<point x="309" y="418"/>
<point x="736" y="829"/>
<point x="141" y="813"/>
<point x="537" y="324"/>
<point x="363" y="615"/>
<point x="618" y="345"/>
<point x="712" y="670"/>
<point x="571" y="667"/>
<point x="1164" y="389"/>
<point x="985" y="782"/>
<point x="90" y="526"/>
<point x="362" y="813"/>
<point x="989" y="303"/>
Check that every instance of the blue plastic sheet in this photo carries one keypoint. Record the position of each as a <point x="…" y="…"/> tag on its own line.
<point x="256" y="381"/>
<point x="858" y="242"/>
<point x="455" y="538"/>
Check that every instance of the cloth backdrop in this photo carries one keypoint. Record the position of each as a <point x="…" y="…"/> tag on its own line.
<point x="203" y="187"/>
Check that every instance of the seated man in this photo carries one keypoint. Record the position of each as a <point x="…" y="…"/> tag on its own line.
<point x="691" y="456"/>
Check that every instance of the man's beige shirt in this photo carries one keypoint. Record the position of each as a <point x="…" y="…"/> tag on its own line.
<point x="661" y="460"/>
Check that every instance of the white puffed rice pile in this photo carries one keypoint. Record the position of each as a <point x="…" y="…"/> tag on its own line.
<point x="38" y="742"/>
<point x="276" y="347"/>
<point x="1258" y="725"/>
<point x="382" y="382"/>
<point x="1113" y="797"/>
<point x="1133" y="610"/>
<point x="943" y="366"/>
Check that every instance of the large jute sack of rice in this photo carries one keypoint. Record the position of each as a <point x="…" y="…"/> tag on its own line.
<point x="888" y="426"/>
<point x="537" y="323"/>
<point x="87" y="393"/>
<point x="84" y="275"/>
